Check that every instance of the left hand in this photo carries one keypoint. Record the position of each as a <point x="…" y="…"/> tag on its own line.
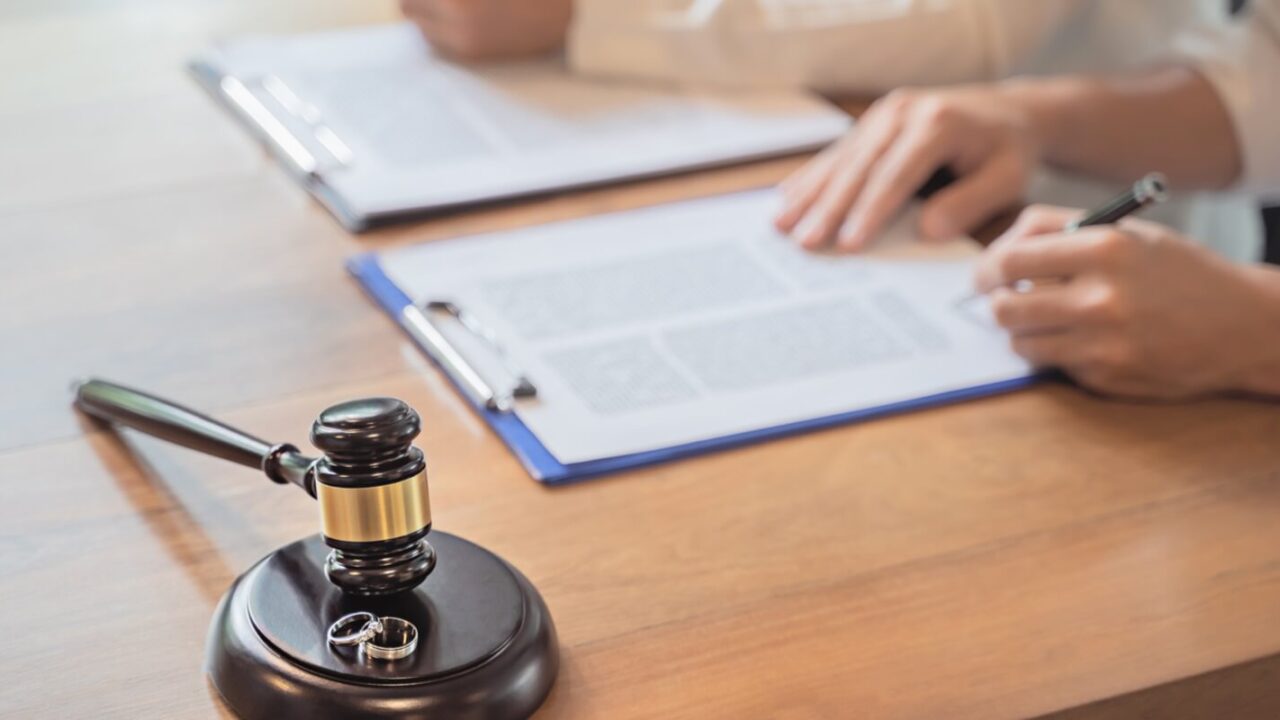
<point x="491" y="29"/>
<point x="986" y="134"/>
<point x="1132" y="309"/>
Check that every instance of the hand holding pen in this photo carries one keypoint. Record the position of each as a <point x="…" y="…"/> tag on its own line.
<point x="1151" y="189"/>
<point x="1130" y="309"/>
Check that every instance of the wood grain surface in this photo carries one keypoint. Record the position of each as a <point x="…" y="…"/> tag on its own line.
<point x="1040" y="552"/>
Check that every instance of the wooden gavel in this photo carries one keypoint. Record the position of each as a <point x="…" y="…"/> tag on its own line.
<point x="371" y="482"/>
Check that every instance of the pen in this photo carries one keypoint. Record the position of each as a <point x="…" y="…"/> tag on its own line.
<point x="1151" y="189"/>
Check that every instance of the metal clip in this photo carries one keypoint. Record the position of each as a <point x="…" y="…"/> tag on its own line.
<point x="418" y="322"/>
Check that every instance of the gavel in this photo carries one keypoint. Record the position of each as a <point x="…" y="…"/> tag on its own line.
<point x="374" y="641"/>
<point x="371" y="482"/>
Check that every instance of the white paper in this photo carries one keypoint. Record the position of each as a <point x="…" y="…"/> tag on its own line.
<point x="659" y="327"/>
<point x="418" y="132"/>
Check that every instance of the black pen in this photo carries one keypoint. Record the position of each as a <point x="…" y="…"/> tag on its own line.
<point x="1151" y="189"/>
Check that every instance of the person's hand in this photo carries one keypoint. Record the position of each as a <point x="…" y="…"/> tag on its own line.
<point x="850" y="191"/>
<point x="1132" y="309"/>
<point x="491" y="29"/>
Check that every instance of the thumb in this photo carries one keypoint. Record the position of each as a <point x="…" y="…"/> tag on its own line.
<point x="963" y="206"/>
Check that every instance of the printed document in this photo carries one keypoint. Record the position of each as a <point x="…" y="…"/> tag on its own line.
<point x="658" y="327"/>
<point x="390" y="127"/>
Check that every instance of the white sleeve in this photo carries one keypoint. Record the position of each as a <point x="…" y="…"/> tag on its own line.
<point x="1244" y="66"/>
<point x="826" y="45"/>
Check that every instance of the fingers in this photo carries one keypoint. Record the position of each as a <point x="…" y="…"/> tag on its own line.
<point x="820" y="202"/>
<point x="1049" y="256"/>
<point x="915" y="154"/>
<point x="801" y="188"/>
<point x="458" y="29"/>
<point x="964" y="205"/>
<point x="1055" y="349"/>
<point x="1043" y="309"/>
<point x="823" y="219"/>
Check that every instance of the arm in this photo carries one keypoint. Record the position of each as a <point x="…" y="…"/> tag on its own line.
<point x="837" y="47"/>
<point x="1171" y="119"/>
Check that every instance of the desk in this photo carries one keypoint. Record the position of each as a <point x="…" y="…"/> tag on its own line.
<point x="1039" y="552"/>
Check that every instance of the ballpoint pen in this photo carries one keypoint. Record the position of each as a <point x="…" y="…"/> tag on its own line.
<point x="1151" y="189"/>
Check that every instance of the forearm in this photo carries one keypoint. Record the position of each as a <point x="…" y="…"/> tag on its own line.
<point x="1169" y="119"/>
<point x="836" y="47"/>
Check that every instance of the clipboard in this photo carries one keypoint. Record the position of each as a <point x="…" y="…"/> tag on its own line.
<point x="289" y="149"/>
<point x="497" y="138"/>
<point x="494" y="406"/>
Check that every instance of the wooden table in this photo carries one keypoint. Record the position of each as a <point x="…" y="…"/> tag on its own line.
<point x="1038" y="552"/>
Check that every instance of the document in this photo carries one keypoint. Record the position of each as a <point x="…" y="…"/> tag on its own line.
<point x="377" y="125"/>
<point x="654" y="328"/>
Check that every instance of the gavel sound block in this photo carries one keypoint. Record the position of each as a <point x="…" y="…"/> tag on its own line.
<point x="486" y="646"/>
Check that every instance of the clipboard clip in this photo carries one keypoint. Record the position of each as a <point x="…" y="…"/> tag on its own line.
<point x="290" y="146"/>
<point x="419" y="323"/>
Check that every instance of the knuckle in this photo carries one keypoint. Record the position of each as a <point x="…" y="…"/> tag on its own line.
<point x="1105" y="304"/>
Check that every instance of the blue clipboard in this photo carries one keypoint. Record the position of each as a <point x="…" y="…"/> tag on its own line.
<point x="544" y="467"/>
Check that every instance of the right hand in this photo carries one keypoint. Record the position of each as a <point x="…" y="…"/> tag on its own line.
<point x="850" y="191"/>
<point x="1133" y="309"/>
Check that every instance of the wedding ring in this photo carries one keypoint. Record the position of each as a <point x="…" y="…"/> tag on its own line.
<point x="380" y="638"/>
<point x="395" y="639"/>
<point x="355" y="629"/>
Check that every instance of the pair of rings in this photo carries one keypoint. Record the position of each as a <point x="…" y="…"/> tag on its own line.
<point x="381" y="638"/>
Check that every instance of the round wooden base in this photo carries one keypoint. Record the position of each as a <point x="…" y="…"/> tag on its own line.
<point x="487" y="646"/>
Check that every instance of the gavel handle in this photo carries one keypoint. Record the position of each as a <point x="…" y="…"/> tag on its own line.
<point x="183" y="426"/>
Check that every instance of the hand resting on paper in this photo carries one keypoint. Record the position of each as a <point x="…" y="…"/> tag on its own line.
<point x="849" y="192"/>
<point x="491" y="29"/>
<point x="1134" y="309"/>
<point x="993" y="136"/>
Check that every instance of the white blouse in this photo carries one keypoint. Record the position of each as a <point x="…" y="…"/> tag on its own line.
<point x="869" y="46"/>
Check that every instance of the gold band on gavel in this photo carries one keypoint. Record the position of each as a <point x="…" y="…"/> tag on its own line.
<point x="372" y="514"/>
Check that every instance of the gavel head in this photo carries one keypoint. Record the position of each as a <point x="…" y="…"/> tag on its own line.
<point x="372" y="488"/>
